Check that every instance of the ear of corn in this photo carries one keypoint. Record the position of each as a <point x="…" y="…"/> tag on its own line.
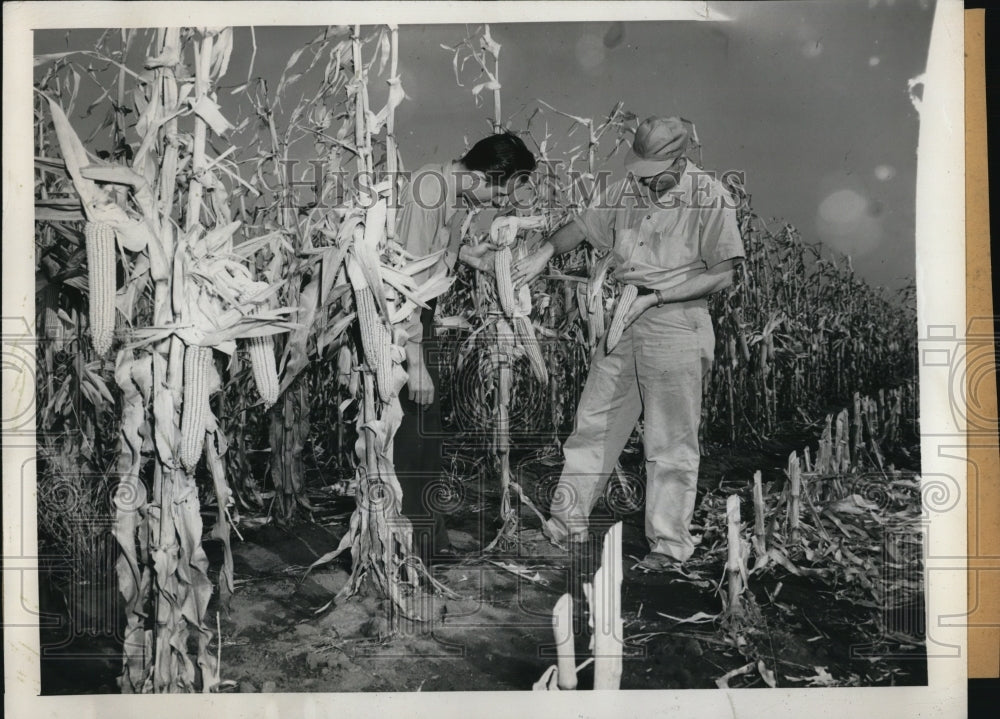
<point x="376" y="341"/>
<point x="628" y="295"/>
<point x="595" y="286"/>
<point x="595" y="328"/>
<point x="194" y="411"/>
<point x="522" y="293"/>
<point x="595" y="324"/>
<point x="526" y="336"/>
<point x="265" y="373"/>
<point x="100" y="241"/>
<point x="376" y="338"/>
<point x="581" y="301"/>
<point x="261" y="351"/>
<point x="505" y="286"/>
<point x="344" y="366"/>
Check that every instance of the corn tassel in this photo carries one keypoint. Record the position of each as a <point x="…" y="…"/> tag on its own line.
<point x="197" y="365"/>
<point x="505" y="286"/>
<point x="100" y="240"/>
<point x="526" y="336"/>
<point x="628" y="295"/>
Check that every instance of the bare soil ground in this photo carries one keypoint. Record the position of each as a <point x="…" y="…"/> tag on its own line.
<point x="495" y="632"/>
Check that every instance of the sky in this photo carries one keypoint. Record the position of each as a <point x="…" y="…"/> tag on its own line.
<point x="809" y="99"/>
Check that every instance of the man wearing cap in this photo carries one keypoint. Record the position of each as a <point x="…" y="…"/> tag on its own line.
<point x="673" y="231"/>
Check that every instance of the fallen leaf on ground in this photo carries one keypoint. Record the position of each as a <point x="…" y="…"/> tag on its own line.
<point x="823" y="678"/>
<point x="696" y="618"/>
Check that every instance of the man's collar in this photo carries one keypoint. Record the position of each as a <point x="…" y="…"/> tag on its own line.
<point x="684" y="190"/>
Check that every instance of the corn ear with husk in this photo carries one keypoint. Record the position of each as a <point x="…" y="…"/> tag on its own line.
<point x="625" y="301"/>
<point x="345" y="367"/>
<point x="376" y="339"/>
<point x="195" y="409"/>
<point x="265" y="372"/>
<point x="525" y="333"/>
<point x="595" y="286"/>
<point x="100" y="241"/>
<point x="505" y="286"/>
<point x="593" y="296"/>
<point x="503" y="235"/>
<point x="261" y="352"/>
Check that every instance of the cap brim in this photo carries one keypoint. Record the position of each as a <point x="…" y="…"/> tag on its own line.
<point x="646" y="168"/>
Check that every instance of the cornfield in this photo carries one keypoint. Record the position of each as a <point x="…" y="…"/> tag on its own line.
<point x="239" y="325"/>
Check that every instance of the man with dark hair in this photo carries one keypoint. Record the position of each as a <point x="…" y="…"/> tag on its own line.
<point x="433" y="211"/>
<point x="673" y="232"/>
<point x="499" y="157"/>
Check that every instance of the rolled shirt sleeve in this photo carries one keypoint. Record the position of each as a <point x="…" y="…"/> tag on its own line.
<point x="720" y="232"/>
<point x="597" y="224"/>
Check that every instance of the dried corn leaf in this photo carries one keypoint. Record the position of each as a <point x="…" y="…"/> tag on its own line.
<point x="723" y="681"/>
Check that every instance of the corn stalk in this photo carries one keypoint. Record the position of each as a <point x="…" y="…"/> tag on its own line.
<point x="379" y="274"/>
<point x="510" y="334"/>
<point x="180" y="299"/>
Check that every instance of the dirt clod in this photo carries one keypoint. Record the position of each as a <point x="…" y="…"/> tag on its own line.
<point x="692" y="647"/>
<point x="306" y="630"/>
<point x="376" y="627"/>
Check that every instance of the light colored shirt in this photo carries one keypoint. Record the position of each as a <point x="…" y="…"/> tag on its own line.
<point x="427" y="207"/>
<point x="692" y="229"/>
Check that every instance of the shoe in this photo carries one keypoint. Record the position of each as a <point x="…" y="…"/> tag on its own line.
<point x="657" y="562"/>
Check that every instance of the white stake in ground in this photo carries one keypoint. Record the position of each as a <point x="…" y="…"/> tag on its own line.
<point x="606" y="608"/>
<point x="760" y="541"/>
<point x="733" y="563"/>
<point x="607" y="645"/>
<point x="794" y="496"/>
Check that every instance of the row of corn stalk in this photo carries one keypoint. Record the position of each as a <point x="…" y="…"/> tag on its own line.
<point x="75" y="428"/>
<point x="213" y="264"/>
<point x="799" y="332"/>
<point x="183" y="302"/>
<point x="157" y="216"/>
